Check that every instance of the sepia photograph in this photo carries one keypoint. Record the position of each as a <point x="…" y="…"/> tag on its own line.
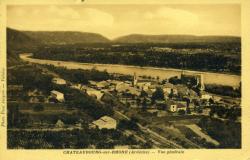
<point x="123" y="76"/>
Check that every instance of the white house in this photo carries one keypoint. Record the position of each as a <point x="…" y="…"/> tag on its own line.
<point x="76" y="86"/>
<point x="126" y="88"/>
<point x="153" y="87"/>
<point x="162" y="113"/>
<point x="59" y="81"/>
<point x="216" y="98"/>
<point x="102" y="84"/>
<point x="134" y="91"/>
<point x="96" y="93"/>
<point x="172" y="107"/>
<point x="181" y="106"/>
<point x="143" y="85"/>
<point x="114" y="82"/>
<point x="59" y="124"/>
<point x="176" y="106"/>
<point x="122" y="86"/>
<point x="168" y="88"/>
<point x="57" y="95"/>
<point x="206" y="111"/>
<point x="182" y="90"/>
<point x="104" y="122"/>
<point x="205" y="96"/>
<point x="92" y="83"/>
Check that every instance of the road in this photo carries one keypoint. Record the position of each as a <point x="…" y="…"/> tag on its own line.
<point x="155" y="136"/>
<point x="44" y="129"/>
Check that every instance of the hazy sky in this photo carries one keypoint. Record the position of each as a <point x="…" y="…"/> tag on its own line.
<point x="116" y="20"/>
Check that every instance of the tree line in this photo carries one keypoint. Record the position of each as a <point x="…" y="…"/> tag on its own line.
<point x="205" y="61"/>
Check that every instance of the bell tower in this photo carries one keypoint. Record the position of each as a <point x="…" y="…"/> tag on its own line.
<point x="200" y="82"/>
<point x="135" y="80"/>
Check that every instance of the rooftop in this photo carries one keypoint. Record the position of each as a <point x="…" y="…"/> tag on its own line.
<point x="55" y="92"/>
<point x="105" y="122"/>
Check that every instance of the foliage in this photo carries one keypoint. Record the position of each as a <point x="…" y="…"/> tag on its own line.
<point x="39" y="107"/>
<point x="31" y="78"/>
<point x="158" y="94"/>
<point x="181" y="112"/>
<point x="209" y="57"/>
<point x="128" y="124"/>
<point x="228" y="113"/>
<point x="74" y="139"/>
<point x="175" y="80"/>
<point x="144" y="104"/>
<point x="223" y="90"/>
<point x="228" y="134"/>
<point x="13" y="115"/>
<point x="86" y="103"/>
<point x="80" y="75"/>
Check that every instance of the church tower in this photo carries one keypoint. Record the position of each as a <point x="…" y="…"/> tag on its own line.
<point x="135" y="80"/>
<point x="200" y="82"/>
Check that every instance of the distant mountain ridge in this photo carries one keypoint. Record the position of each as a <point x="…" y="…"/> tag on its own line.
<point x="141" y="38"/>
<point x="15" y="37"/>
<point x="18" y="38"/>
<point x="52" y="37"/>
<point x="66" y="37"/>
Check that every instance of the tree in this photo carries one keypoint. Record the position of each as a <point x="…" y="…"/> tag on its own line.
<point x="148" y="144"/>
<point x="138" y="101"/>
<point x="157" y="78"/>
<point x="188" y="102"/>
<point x="164" y="81"/>
<point x="13" y="115"/>
<point x="128" y="124"/>
<point x="38" y="107"/>
<point x="130" y="140"/>
<point x="143" y="94"/>
<point x="158" y="94"/>
<point x="144" y="104"/>
<point x="188" y="110"/>
<point x="211" y="101"/>
<point x="181" y="112"/>
<point x="200" y="109"/>
<point x="171" y="95"/>
<point x="174" y="80"/>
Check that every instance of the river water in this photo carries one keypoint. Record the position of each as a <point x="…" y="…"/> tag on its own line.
<point x="209" y="77"/>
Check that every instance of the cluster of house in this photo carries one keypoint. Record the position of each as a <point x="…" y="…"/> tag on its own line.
<point x="105" y="122"/>
<point x="35" y="95"/>
<point x="131" y="92"/>
<point x="14" y="91"/>
<point x="96" y="90"/>
<point x="137" y="93"/>
<point x="184" y="50"/>
<point x="134" y="93"/>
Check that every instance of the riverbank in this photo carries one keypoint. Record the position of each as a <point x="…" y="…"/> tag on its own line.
<point x="162" y="73"/>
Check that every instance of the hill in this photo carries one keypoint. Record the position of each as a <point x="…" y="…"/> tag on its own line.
<point x="18" y="40"/>
<point x="23" y="38"/>
<point x="66" y="37"/>
<point x="31" y="41"/>
<point x="141" y="38"/>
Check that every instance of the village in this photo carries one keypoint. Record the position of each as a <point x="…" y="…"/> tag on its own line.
<point x="162" y="98"/>
<point x="149" y="106"/>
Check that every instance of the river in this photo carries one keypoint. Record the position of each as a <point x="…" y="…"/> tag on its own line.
<point x="209" y="77"/>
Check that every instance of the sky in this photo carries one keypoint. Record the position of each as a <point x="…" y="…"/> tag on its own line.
<point x="117" y="20"/>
